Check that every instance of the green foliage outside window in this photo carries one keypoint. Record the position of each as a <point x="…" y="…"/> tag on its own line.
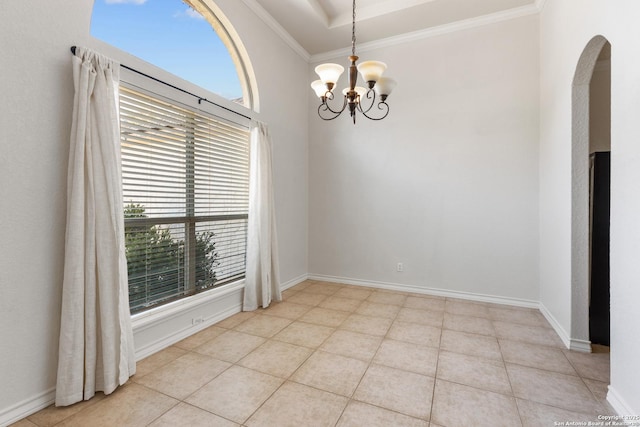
<point x="156" y="262"/>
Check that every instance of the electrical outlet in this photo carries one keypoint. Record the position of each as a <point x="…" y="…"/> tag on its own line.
<point x="400" y="267"/>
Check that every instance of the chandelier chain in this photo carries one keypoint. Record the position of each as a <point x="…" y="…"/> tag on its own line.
<point x="360" y="100"/>
<point x="353" y="30"/>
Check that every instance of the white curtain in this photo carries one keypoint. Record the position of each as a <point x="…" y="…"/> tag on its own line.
<point x="96" y="339"/>
<point x="262" y="276"/>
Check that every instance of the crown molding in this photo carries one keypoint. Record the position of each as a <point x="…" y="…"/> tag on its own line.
<point x="277" y="28"/>
<point x="540" y="4"/>
<point x="319" y="10"/>
<point x="372" y="11"/>
<point x="395" y="40"/>
<point x="433" y="32"/>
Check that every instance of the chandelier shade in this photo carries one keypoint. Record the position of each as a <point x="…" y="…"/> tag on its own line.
<point x="371" y="71"/>
<point x="329" y="73"/>
<point x="375" y="94"/>
<point x="319" y="88"/>
<point x="384" y="86"/>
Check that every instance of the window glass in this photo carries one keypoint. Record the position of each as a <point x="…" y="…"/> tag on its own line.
<point x="171" y="35"/>
<point x="185" y="178"/>
<point x="185" y="165"/>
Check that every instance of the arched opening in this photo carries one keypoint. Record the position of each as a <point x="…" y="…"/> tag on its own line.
<point x="231" y="39"/>
<point x="184" y="162"/>
<point x="176" y="36"/>
<point x="591" y="146"/>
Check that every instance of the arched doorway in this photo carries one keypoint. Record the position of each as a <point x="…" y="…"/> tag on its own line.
<point x="590" y="195"/>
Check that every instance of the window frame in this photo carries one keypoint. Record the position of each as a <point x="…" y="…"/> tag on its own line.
<point x="162" y="326"/>
<point x="231" y="40"/>
<point x="149" y="87"/>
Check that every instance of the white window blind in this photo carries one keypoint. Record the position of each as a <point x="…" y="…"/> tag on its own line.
<point x="186" y="193"/>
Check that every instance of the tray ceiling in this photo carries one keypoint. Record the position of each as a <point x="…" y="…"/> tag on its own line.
<point x="321" y="26"/>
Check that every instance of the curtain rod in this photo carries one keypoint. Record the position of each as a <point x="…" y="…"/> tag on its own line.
<point x="200" y="99"/>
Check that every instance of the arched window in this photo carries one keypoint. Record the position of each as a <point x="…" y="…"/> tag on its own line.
<point x="184" y="38"/>
<point x="185" y="163"/>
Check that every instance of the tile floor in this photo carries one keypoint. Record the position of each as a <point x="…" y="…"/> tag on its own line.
<point x="337" y="355"/>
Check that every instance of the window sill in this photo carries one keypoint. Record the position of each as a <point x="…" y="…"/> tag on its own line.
<point x="164" y="326"/>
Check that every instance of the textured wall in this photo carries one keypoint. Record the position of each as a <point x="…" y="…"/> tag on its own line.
<point x="561" y="50"/>
<point x="447" y="184"/>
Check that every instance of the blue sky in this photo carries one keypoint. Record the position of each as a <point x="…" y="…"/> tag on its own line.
<point x="171" y="35"/>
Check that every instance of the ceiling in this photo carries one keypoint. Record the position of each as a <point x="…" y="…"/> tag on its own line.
<point x="322" y="26"/>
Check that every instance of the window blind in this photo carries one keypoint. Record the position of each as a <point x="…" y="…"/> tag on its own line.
<point x="185" y="177"/>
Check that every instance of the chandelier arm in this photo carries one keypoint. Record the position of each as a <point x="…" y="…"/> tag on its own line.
<point x="328" y="107"/>
<point x="327" y="118"/>
<point x="382" y="105"/>
<point x="324" y="107"/>
<point x="371" y="94"/>
<point x="329" y="96"/>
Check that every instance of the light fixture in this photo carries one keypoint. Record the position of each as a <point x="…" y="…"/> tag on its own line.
<point x="354" y="96"/>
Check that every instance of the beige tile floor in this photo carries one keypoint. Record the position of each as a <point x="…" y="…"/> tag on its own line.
<point x="337" y="355"/>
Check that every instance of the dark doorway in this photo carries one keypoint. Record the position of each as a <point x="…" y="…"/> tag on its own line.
<point x="599" y="315"/>
<point x="590" y="133"/>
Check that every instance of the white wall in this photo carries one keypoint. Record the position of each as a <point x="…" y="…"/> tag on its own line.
<point x="35" y="114"/>
<point x="566" y="28"/>
<point x="447" y="184"/>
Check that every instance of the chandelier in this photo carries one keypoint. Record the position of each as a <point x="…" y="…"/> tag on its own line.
<point x="357" y="98"/>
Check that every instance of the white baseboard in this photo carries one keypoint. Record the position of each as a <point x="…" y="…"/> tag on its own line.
<point x="564" y="336"/>
<point x="428" y="291"/>
<point x="27" y="407"/>
<point x="571" y="343"/>
<point x="580" y="345"/>
<point x="291" y="283"/>
<point x="619" y="404"/>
